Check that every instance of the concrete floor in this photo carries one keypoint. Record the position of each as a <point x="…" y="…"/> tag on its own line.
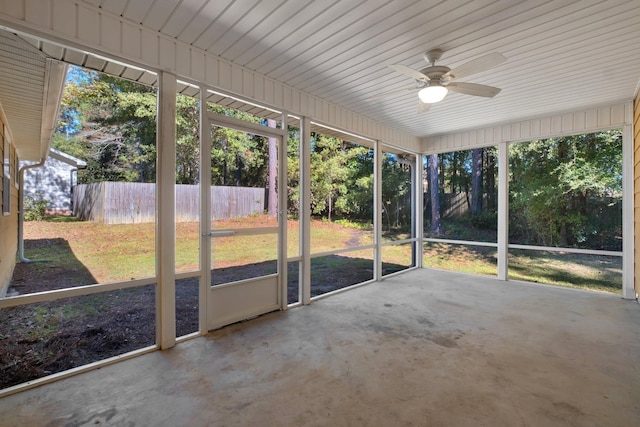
<point x="421" y="349"/>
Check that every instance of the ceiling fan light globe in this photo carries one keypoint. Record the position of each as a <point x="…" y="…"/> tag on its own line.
<point x="432" y="94"/>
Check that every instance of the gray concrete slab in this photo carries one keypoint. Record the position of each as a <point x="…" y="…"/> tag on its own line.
<point x="425" y="348"/>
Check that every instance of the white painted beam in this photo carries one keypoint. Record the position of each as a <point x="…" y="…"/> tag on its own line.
<point x="503" y="210"/>
<point x="205" y="212"/>
<point x="377" y="210"/>
<point x="165" y="211"/>
<point x="305" y="210"/>
<point x="628" y="288"/>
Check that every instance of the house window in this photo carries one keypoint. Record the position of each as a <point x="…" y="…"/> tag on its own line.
<point x="6" y="173"/>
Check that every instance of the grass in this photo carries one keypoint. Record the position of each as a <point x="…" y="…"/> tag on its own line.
<point x="599" y="273"/>
<point x="127" y="251"/>
<point x="466" y="259"/>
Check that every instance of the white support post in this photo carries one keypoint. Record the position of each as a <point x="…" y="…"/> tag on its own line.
<point x="205" y="212"/>
<point x="628" y="289"/>
<point x="282" y="214"/>
<point x="419" y="211"/>
<point x="305" y="210"/>
<point x="165" y="211"/>
<point x="503" y="210"/>
<point x="377" y="210"/>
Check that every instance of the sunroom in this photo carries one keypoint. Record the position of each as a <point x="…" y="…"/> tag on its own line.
<point x="247" y="236"/>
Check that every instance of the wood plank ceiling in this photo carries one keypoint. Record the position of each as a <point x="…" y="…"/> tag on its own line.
<point x="563" y="55"/>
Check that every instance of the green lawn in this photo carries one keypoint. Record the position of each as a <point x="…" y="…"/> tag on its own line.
<point x="121" y="252"/>
<point x="599" y="273"/>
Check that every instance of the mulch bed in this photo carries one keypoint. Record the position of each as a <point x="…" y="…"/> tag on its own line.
<point x="44" y="338"/>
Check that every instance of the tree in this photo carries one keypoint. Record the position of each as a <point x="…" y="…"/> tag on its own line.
<point x="187" y="140"/>
<point x="327" y="176"/>
<point x="273" y="171"/>
<point x="476" y="180"/>
<point x="436" y="225"/>
<point x="396" y="190"/>
<point x="109" y="123"/>
<point x="567" y="191"/>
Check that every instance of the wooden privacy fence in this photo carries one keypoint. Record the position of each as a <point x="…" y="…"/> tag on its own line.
<point x="134" y="202"/>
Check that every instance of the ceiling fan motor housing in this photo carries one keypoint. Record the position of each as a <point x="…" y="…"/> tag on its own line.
<point x="435" y="73"/>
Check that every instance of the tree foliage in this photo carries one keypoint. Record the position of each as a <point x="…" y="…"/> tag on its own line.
<point x="110" y="123"/>
<point x="567" y="191"/>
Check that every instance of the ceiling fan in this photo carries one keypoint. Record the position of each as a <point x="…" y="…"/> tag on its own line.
<point x="435" y="81"/>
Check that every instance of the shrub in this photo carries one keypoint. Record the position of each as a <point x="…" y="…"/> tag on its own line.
<point x="35" y="208"/>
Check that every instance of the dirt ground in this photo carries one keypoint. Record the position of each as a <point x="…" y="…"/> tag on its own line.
<point x="44" y="338"/>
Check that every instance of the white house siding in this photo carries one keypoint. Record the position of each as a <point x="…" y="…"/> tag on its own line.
<point x="51" y="182"/>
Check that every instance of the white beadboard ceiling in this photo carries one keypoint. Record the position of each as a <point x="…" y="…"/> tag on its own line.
<point x="562" y="55"/>
<point x="30" y="87"/>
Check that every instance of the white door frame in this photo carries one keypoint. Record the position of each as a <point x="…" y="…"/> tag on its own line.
<point x="233" y="302"/>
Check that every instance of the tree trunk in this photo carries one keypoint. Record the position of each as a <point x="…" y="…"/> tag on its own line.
<point x="436" y="226"/>
<point x="454" y="172"/>
<point x="272" y="208"/>
<point x="490" y="180"/>
<point x="476" y="181"/>
<point x="238" y="170"/>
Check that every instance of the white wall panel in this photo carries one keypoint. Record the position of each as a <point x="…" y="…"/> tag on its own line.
<point x="64" y="18"/>
<point x="568" y="123"/>
<point x="211" y="70"/>
<point x="149" y="46"/>
<point x="88" y="26"/>
<point x="295" y="102"/>
<point x="286" y="97"/>
<point x="247" y="83"/>
<point x="303" y="107"/>
<point x="224" y="74"/>
<point x="592" y="118"/>
<point x="16" y="9"/>
<point x="586" y="121"/>
<point x="131" y="36"/>
<point x="197" y="65"/>
<point x="236" y="79"/>
<point x="111" y="33"/>
<point x="128" y="42"/>
<point x="620" y="114"/>
<point x="167" y="54"/>
<point x="269" y="96"/>
<point x="36" y="11"/>
<point x="258" y="88"/>
<point x="183" y="62"/>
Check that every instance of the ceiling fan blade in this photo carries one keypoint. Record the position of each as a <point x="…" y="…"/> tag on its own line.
<point x="476" y="66"/>
<point x="423" y="107"/>
<point x="394" y="92"/>
<point x="473" y="89"/>
<point x="414" y="74"/>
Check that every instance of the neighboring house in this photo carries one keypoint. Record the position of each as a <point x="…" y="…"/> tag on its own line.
<point x="54" y="181"/>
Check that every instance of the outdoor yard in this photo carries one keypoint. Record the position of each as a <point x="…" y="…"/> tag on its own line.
<point x="43" y="338"/>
